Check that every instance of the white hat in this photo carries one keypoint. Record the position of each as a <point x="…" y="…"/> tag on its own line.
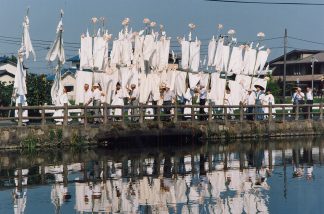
<point x="96" y="85"/>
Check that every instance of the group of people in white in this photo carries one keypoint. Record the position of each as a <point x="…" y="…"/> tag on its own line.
<point x="141" y="68"/>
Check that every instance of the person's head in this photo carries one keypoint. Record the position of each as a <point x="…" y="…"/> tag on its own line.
<point x="64" y="90"/>
<point x="202" y="86"/>
<point x="308" y="89"/>
<point x="257" y="88"/>
<point x="95" y="86"/>
<point x="268" y="92"/>
<point x="133" y="86"/>
<point x="86" y="87"/>
<point x="299" y="89"/>
<point x="118" y="86"/>
<point x="249" y="91"/>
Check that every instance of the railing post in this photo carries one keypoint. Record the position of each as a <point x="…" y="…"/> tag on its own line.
<point x="158" y="109"/>
<point x="123" y="114"/>
<point x="270" y="112"/>
<point x="241" y="112"/>
<point x="141" y="119"/>
<point x="105" y="110"/>
<point x="175" y="119"/>
<point x="43" y="116"/>
<point x="85" y="116"/>
<point x="20" y="111"/>
<point x="308" y="112"/>
<point x="192" y="113"/>
<point x="65" y="112"/>
<point x="225" y="114"/>
<point x="321" y="111"/>
<point x="210" y="113"/>
<point x="297" y="112"/>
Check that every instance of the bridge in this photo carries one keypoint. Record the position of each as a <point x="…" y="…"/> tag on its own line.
<point x="217" y="121"/>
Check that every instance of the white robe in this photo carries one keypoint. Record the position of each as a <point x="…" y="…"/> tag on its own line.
<point x="236" y="61"/>
<point x="261" y="61"/>
<point x="185" y="46"/>
<point x="118" y="101"/>
<point x="194" y="59"/>
<point x="82" y="78"/>
<point x="86" y="59"/>
<point x="211" y="52"/>
<point x="217" y="89"/>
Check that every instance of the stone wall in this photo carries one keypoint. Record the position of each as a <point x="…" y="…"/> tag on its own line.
<point x="14" y="137"/>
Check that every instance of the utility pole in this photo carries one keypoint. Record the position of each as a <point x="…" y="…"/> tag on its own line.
<point x="285" y="64"/>
<point x="313" y="60"/>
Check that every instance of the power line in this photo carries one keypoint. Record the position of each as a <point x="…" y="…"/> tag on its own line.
<point x="269" y="3"/>
<point x="305" y="40"/>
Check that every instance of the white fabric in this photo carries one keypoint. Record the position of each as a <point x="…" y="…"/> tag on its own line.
<point x="99" y="48"/>
<point x="118" y="101"/>
<point x="250" y="99"/>
<point x="148" y="47"/>
<point x="225" y="57"/>
<point x="237" y="92"/>
<point x="245" y="81"/>
<point x="211" y="52"/>
<point x="22" y="99"/>
<point x="249" y="61"/>
<point x="115" y="54"/>
<point x="236" y="61"/>
<point x="125" y="75"/>
<point x="218" y="55"/>
<point x="144" y="89"/>
<point x="57" y="88"/>
<point x="180" y="86"/>
<point x="261" y="61"/>
<point x="194" y="59"/>
<point x="164" y="54"/>
<point x="127" y="52"/>
<point x="86" y="59"/>
<point x="217" y="89"/>
<point x="171" y="79"/>
<point x="138" y="52"/>
<point x="204" y="79"/>
<point x="63" y="99"/>
<point x="81" y="78"/>
<point x="57" y="49"/>
<point x="20" y="79"/>
<point x="193" y="80"/>
<point x="27" y="44"/>
<point x="108" y="85"/>
<point x="185" y="45"/>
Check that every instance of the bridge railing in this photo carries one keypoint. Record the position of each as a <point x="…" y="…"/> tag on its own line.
<point x="145" y="113"/>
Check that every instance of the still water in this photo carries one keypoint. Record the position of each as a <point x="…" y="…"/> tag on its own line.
<point x="283" y="176"/>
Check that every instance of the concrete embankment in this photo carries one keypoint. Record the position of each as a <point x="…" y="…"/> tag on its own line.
<point x="17" y="137"/>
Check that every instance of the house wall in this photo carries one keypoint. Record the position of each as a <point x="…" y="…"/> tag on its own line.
<point x="7" y="79"/>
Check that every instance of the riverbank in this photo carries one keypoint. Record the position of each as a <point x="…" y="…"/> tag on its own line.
<point x="51" y="135"/>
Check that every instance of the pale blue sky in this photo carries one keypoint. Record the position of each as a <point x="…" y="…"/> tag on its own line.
<point x="247" y="20"/>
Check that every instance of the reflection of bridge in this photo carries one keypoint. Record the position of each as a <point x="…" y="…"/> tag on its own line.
<point x="190" y="179"/>
<point x="217" y="121"/>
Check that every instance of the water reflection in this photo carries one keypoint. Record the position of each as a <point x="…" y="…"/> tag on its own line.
<point x="232" y="178"/>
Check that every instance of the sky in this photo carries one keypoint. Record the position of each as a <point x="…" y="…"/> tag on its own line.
<point x="305" y="22"/>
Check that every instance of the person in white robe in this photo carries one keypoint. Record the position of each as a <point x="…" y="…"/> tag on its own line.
<point x="268" y="100"/>
<point x="62" y="100"/>
<point x="118" y="100"/>
<point x="229" y="102"/>
<point x="97" y="94"/>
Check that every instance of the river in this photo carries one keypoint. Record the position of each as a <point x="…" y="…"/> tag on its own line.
<point x="277" y="176"/>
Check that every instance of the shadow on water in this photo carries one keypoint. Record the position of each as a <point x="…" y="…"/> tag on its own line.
<point x="173" y="175"/>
